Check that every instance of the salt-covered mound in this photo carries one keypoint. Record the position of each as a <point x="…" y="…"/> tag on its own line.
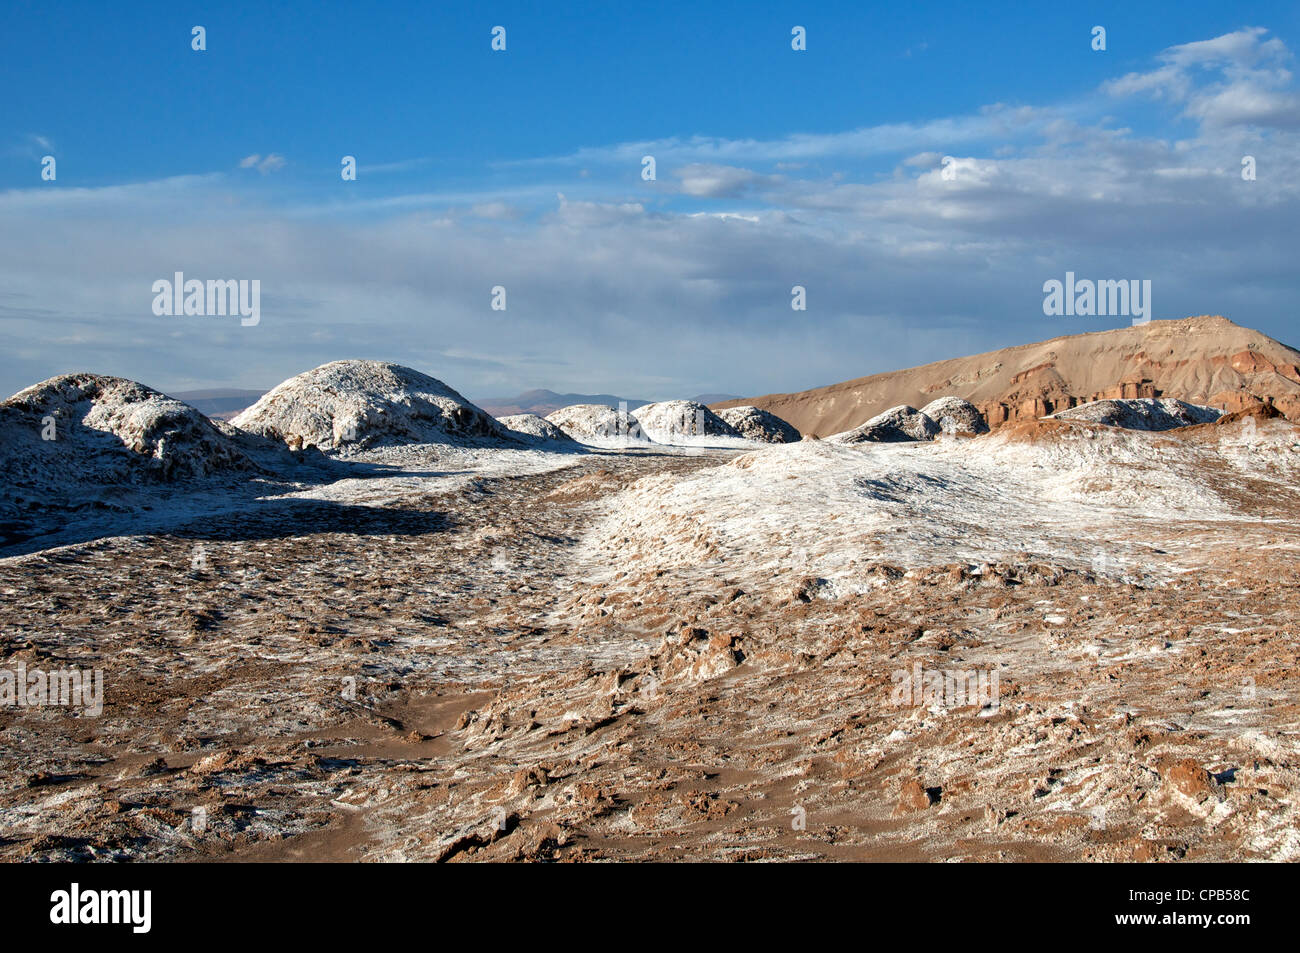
<point x="763" y="425"/>
<point x="82" y="440"/>
<point x="1143" y="413"/>
<point x="89" y="427"/>
<point x="954" y="415"/>
<point x="538" y="428"/>
<point x="671" y="420"/>
<point x="896" y="425"/>
<point x="596" y="422"/>
<point x="360" y="404"/>
<point x="818" y="505"/>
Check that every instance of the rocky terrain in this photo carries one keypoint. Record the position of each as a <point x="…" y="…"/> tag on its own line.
<point x="539" y="428"/>
<point x="956" y="416"/>
<point x="79" y="448"/>
<point x="543" y="402"/>
<point x="1203" y="360"/>
<point x="598" y="425"/>
<point x="428" y="639"/>
<point x="540" y="403"/>
<point x="676" y="421"/>
<point x="1142" y="413"/>
<point x="121" y="429"/>
<point x="895" y="425"/>
<point x="362" y="404"/>
<point x="754" y="424"/>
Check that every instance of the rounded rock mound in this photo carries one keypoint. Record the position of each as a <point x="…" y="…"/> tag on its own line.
<point x="597" y="423"/>
<point x="535" y="427"/>
<point x="897" y="425"/>
<point x="91" y="427"/>
<point x="1141" y="413"/>
<point x="362" y="404"/>
<point x="87" y="441"/>
<point x="675" y="421"/>
<point x="954" y="415"/>
<point x="761" y="425"/>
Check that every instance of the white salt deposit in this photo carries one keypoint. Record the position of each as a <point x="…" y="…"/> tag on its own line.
<point x="1144" y="413"/>
<point x="896" y="425"/>
<point x="533" y="426"/>
<point x="598" y="425"/>
<point x="761" y="425"/>
<point x="362" y="404"/>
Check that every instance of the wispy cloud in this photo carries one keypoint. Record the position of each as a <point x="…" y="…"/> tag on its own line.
<point x="32" y="146"/>
<point x="1237" y="79"/>
<point x="263" y="164"/>
<point x="401" y="165"/>
<point x="995" y="121"/>
<point x="719" y="181"/>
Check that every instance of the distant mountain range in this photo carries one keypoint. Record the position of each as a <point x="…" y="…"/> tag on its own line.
<point x="220" y="403"/>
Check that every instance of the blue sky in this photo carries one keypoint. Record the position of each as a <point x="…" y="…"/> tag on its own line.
<point x="523" y="169"/>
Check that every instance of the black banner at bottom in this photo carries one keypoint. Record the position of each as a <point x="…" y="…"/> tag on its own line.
<point x="301" y="902"/>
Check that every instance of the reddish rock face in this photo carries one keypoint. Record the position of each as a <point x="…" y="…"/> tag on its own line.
<point x="1201" y="360"/>
<point x="1246" y="362"/>
<point x="915" y="797"/>
<point x="1189" y="778"/>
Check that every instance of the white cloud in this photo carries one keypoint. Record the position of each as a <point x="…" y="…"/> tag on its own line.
<point x="996" y="120"/>
<point x="402" y="165"/>
<point x="499" y="211"/>
<point x="595" y="213"/>
<point x="719" y="181"/>
<point x="32" y="146"/>
<point x="1237" y="79"/>
<point x="265" y="165"/>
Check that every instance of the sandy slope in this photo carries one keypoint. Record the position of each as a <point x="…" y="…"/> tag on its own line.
<point x="1203" y="360"/>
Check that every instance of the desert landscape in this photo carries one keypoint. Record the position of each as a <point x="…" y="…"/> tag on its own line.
<point x="1035" y="604"/>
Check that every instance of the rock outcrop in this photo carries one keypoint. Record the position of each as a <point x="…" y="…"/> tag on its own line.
<point x="754" y="424"/>
<point x="896" y="425"/>
<point x="533" y="427"/>
<point x="88" y="441"/>
<point x="90" y="427"/>
<point x="669" y="421"/>
<point x="1204" y="360"/>
<point x="1143" y="413"/>
<point x="596" y="422"/>
<point x="361" y="404"/>
<point x="954" y="415"/>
